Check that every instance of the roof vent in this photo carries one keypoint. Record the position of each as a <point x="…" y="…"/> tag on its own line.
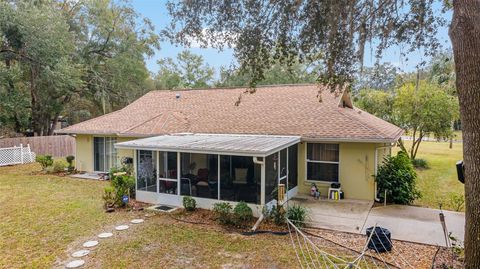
<point x="177" y="96"/>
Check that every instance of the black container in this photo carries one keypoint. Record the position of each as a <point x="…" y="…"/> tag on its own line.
<point x="335" y="185"/>
<point x="380" y="241"/>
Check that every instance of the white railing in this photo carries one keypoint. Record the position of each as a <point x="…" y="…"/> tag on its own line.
<point x="16" y="155"/>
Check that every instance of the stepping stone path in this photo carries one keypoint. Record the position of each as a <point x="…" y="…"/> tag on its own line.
<point x="121" y="227"/>
<point x="105" y="235"/>
<point x="80" y="253"/>
<point x="90" y="244"/>
<point x="75" y="263"/>
<point x="136" y="221"/>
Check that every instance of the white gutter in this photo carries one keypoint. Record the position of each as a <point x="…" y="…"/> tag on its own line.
<point x="376" y="169"/>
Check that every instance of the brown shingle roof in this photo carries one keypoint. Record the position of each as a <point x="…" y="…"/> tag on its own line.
<point x="279" y="110"/>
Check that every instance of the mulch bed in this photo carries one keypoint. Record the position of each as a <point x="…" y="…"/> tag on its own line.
<point x="403" y="255"/>
<point x="445" y="258"/>
<point x="348" y="245"/>
<point x="207" y="217"/>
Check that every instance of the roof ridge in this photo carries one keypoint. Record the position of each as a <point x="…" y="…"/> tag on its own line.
<point x="383" y="135"/>
<point x="95" y="118"/>
<point x="141" y="123"/>
<point x="238" y="87"/>
<point x="400" y="130"/>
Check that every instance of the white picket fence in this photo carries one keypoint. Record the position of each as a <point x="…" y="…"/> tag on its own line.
<point x="16" y="155"/>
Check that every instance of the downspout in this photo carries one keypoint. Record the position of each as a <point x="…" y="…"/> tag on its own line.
<point x="376" y="169"/>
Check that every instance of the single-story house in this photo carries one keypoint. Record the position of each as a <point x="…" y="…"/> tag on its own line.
<point x="205" y="144"/>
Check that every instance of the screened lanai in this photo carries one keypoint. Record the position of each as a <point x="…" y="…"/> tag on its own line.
<point x="212" y="167"/>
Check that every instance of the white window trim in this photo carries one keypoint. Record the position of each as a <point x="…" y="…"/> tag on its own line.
<point x="315" y="161"/>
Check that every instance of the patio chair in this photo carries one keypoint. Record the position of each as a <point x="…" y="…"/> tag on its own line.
<point x="185" y="186"/>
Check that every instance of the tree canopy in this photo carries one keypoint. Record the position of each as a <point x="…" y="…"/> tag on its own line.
<point x="188" y="71"/>
<point x="424" y="109"/>
<point x="84" y="56"/>
<point x="332" y="32"/>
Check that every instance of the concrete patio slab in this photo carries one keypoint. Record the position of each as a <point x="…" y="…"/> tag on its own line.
<point x="342" y="215"/>
<point x="416" y="224"/>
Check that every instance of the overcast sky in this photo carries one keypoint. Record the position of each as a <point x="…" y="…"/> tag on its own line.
<point x="155" y="10"/>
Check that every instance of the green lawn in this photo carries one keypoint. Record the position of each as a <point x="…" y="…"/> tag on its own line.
<point x="438" y="183"/>
<point x="45" y="217"/>
<point x="42" y="214"/>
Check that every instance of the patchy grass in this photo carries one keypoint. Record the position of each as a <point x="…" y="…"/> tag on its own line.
<point x="438" y="183"/>
<point x="46" y="217"/>
<point x="42" y="214"/>
<point x="162" y="242"/>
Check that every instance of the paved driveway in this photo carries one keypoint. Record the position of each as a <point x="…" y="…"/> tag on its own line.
<point x="409" y="223"/>
<point x="416" y="224"/>
<point x="343" y="215"/>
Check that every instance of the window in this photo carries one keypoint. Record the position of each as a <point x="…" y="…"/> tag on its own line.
<point x="322" y="162"/>
<point x="167" y="172"/>
<point x="146" y="170"/>
<point x="199" y="175"/>
<point x="104" y="153"/>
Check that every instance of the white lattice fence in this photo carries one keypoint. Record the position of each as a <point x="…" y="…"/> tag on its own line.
<point x="16" y="155"/>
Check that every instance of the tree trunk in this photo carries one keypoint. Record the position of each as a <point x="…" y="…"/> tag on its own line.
<point x="36" y="126"/>
<point x="465" y="36"/>
<point x="53" y="125"/>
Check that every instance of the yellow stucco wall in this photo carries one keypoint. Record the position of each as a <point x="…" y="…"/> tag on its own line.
<point x="84" y="152"/>
<point x="356" y="170"/>
<point x="356" y="165"/>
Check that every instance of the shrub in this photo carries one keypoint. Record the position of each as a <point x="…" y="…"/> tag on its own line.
<point x="420" y="163"/>
<point x="109" y="197"/>
<point x="242" y="213"/>
<point x="297" y="214"/>
<point x="397" y="177"/>
<point x="189" y="203"/>
<point x="123" y="185"/>
<point x="44" y="160"/>
<point x="223" y="212"/>
<point x="121" y="169"/>
<point x="70" y="159"/>
<point x="276" y="214"/>
<point x="59" y="165"/>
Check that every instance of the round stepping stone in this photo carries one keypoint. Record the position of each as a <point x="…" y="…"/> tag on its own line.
<point x="80" y="253"/>
<point x="75" y="263"/>
<point x="137" y="221"/>
<point x="90" y="244"/>
<point x="105" y="235"/>
<point x="121" y="227"/>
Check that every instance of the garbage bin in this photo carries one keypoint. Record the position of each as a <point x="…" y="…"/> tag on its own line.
<point x="380" y="240"/>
